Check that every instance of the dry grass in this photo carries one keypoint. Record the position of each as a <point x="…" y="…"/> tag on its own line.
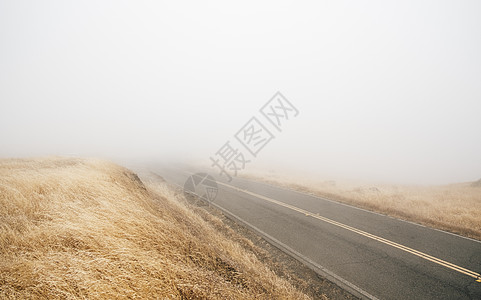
<point x="72" y="228"/>
<point x="455" y="207"/>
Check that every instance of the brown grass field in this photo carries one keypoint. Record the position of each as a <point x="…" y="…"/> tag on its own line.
<point x="455" y="208"/>
<point x="74" y="228"/>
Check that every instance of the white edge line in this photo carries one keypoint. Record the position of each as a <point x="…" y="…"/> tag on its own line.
<point x="349" y="205"/>
<point x="359" y="208"/>
<point x="331" y="276"/>
<point x="341" y="282"/>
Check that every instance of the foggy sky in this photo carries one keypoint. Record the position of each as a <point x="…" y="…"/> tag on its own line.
<point x="386" y="91"/>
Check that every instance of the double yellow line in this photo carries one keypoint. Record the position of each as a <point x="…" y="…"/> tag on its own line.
<point x="433" y="259"/>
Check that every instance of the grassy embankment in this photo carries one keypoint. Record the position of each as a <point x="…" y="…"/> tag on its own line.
<point x="72" y="228"/>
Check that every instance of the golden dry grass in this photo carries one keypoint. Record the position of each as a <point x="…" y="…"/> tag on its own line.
<point x="73" y="228"/>
<point x="455" y="207"/>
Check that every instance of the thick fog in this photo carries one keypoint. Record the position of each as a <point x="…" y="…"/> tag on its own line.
<point x="384" y="90"/>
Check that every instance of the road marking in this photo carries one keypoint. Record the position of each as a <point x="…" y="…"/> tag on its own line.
<point x="428" y="257"/>
<point x="346" y="285"/>
<point x="324" y="198"/>
<point x="350" y="287"/>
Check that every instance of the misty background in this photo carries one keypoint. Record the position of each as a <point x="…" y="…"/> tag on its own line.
<point x="386" y="90"/>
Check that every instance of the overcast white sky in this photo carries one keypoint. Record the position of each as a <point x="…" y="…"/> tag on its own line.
<point x="386" y="90"/>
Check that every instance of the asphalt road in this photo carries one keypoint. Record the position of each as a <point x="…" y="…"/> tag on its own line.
<point x="371" y="255"/>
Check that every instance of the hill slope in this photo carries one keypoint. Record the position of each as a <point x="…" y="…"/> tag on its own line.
<point x="72" y="228"/>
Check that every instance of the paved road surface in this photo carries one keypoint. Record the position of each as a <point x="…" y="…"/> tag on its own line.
<point x="372" y="255"/>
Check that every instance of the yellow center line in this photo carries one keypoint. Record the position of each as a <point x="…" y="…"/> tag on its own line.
<point x="428" y="257"/>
